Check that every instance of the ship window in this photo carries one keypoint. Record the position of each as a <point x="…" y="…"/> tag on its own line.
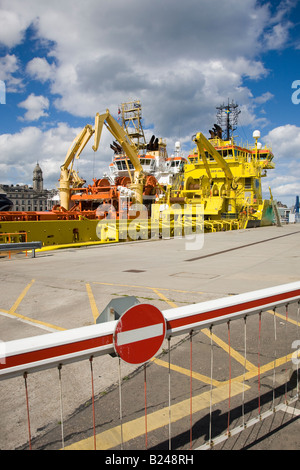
<point x="142" y="161"/>
<point x="148" y="162"/>
<point x="247" y="183"/>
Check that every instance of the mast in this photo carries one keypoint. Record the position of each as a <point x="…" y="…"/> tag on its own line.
<point x="131" y="114"/>
<point x="227" y="117"/>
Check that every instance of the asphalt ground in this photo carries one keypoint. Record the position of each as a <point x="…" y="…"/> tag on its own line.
<point x="65" y="289"/>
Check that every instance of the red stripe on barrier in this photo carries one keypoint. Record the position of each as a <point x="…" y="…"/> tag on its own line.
<point x="223" y="311"/>
<point x="56" y="351"/>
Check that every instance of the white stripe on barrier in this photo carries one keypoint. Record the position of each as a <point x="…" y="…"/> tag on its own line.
<point x="139" y="334"/>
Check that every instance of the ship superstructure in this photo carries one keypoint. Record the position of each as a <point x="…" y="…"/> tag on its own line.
<point x="153" y="155"/>
<point x="225" y="177"/>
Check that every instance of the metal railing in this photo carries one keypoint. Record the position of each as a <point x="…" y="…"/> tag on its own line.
<point x="26" y="356"/>
<point x="20" y="246"/>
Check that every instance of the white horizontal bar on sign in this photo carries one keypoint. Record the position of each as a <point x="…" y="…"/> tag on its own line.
<point x="139" y="334"/>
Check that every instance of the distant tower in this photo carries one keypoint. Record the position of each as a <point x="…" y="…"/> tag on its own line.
<point x="38" y="179"/>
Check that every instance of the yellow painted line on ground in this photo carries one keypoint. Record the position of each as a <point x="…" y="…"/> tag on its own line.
<point x="162" y="296"/>
<point x="266" y="367"/>
<point x="21" y="297"/>
<point x="146" y="287"/>
<point x="112" y="437"/>
<point x="11" y="313"/>
<point x="236" y="355"/>
<point x="283" y="317"/>
<point x="39" y="324"/>
<point x="182" y="370"/>
<point x="93" y="305"/>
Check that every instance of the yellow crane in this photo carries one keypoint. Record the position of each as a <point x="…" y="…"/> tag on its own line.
<point x="69" y="177"/>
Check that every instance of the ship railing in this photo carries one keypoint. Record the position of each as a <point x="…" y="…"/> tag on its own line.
<point x="245" y="339"/>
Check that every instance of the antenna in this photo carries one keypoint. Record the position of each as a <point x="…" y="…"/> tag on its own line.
<point x="227" y="117"/>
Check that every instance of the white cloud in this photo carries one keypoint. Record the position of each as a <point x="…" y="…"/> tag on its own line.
<point x="166" y="53"/>
<point x="286" y="142"/>
<point x="12" y="26"/>
<point x="285" y="179"/>
<point x="35" y="107"/>
<point x="277" y="37"/>
<point x="40" y="69"/>
<point x="21" y="151"/>
<point x="181" y="59"/>
<point x="9" y="64"/>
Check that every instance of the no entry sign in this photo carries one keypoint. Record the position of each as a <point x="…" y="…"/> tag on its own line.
<point x="139" y="333"/>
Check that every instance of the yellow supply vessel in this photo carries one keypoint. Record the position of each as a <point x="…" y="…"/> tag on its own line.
<point x="225" y="177"/>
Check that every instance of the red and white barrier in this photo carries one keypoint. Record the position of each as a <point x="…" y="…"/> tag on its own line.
<point x="51" y="350"/>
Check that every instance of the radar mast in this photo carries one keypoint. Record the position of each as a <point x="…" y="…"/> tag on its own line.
<point x="227" y="117"/>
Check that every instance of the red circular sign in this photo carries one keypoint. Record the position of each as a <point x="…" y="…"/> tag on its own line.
<point x="139" y="333"/>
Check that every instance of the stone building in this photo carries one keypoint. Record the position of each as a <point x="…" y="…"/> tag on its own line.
<point x="27" y="198"/>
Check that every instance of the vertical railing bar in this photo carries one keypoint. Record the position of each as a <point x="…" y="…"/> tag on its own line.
<point x="297" y="361"/>
<point x="275" y="357"/>
<point x="211" y="386"/>
<point x="258" y="366"/>
<point x="286" y="351"/>
<point x="244" y="374"/>
<point x="229" y="382"/>
<point x="120" y="403"/>
<point x="27" y="406"/>
<point x="145" y="393"/>
<point x="191" y="389"/>
<point x="61" y="406"/>
<point x="169" y="377"/>
<point x="93" y="402"/>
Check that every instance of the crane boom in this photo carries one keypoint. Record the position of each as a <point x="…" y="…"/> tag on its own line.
<point x="203" y="144"/>
<point x="69" y="177"/>
<point x="120" y="135"/>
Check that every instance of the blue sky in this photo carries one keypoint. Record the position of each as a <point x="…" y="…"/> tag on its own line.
<point x="62" y="62"/>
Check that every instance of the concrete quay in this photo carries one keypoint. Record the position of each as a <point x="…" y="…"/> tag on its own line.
<point x="69" y="288"/>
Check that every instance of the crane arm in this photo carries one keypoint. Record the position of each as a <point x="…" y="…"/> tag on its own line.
<point x="203" y="143"/>
<point x="78" y="145"/>
<point x="121" y="136"/>
<point x="127" y="145"/>
<point x="68" y="176"/>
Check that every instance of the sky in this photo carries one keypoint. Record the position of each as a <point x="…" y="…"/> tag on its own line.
<point x="61" y="62"/>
